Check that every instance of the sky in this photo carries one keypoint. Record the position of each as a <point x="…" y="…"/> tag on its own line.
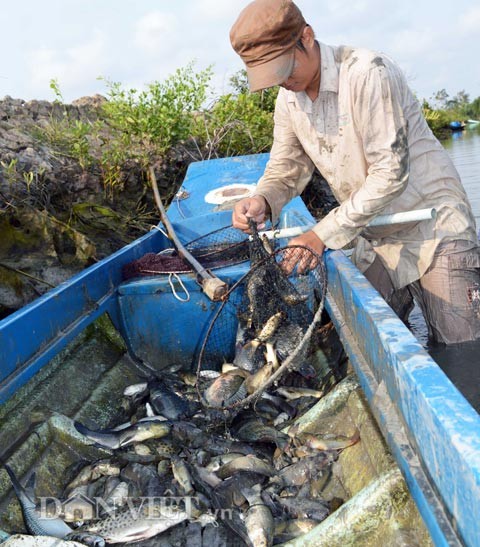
<point x="136" y="42"/>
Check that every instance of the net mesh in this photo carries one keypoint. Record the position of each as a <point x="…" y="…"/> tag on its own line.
<point x="274" y="309"/>
<point x="223" y="247"/>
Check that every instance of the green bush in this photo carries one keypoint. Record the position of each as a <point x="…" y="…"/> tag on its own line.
<point x="159" y="117"/>
<point x="139" y="127"/>
<point x="235" y="125"/>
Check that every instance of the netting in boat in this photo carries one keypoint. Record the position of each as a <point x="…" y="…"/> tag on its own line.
<point x="223" y="247"/>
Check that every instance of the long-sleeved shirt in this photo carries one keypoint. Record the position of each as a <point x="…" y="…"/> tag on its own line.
<point x="367" y="136"/>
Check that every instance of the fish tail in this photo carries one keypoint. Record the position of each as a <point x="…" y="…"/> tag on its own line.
<point x="27" y="505"/>
<point x="18" y="488"/>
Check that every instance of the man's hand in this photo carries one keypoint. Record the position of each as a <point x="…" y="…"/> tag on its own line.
<point x="301" y="257"/>
<point x="255" y="207"/>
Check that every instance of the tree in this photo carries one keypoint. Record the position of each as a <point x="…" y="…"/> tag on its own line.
<point x="441" y="98"/>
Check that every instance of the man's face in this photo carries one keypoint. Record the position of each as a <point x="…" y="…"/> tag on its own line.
<point x="305" y="70"/>
<point x="299" y="77"/>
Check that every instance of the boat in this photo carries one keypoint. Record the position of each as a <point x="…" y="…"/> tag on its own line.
<point x="414" y="477"/>
<point x="456" y="126"/>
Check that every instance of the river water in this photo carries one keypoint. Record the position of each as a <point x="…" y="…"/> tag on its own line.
<point x="460" y="361"/>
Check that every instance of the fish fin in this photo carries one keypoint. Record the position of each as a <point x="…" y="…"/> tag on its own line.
<point x="127" y="439"/>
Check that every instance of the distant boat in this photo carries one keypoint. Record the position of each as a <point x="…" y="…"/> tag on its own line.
<point x="456" y="126"/>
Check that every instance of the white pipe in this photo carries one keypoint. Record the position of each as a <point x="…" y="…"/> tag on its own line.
<point x="381" y="220"/>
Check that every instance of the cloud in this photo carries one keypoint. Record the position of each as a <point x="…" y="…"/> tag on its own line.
<point x="412" y="42"/>
<point x="215" y="10"/>
<point x="75" y="67"/>
<point x="470" y="20"/>
<point x="156" y="33"/>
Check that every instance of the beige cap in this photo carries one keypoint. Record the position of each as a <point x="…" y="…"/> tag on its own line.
<point x="264" y="35"/>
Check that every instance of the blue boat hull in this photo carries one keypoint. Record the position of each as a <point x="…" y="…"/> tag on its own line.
<point x="432" y="431"/>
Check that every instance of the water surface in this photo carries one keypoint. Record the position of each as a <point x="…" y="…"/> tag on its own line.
<point x="461" y="362"/>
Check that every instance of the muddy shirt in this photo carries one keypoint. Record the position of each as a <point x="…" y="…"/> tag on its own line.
<point x="367" y="136"/>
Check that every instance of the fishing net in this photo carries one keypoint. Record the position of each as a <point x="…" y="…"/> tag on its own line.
<point x="223" y="247"/>
<point x="274" y="309"/>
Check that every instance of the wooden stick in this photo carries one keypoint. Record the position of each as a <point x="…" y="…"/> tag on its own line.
<point x="211" y="285"/>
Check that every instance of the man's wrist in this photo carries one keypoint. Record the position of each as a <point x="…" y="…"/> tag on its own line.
<point x="268" y="210"/>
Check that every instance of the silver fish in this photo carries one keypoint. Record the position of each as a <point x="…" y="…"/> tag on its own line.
<point x="138" y="432"/>
<point x="292" y="393"/>
<point x="258" y="519"/>
<point x="35" y="523"/>
<point x="138" y="521"/>
<point x="135" y="389"/>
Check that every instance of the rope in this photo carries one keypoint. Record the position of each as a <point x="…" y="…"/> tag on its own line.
<point x="170" y="282"/>
<point x="156" y="227"/>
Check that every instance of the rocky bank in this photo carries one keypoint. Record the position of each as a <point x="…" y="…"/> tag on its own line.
<point x="56" y="215"/>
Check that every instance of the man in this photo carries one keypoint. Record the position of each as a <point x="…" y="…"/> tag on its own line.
<point x="350" y="113"/>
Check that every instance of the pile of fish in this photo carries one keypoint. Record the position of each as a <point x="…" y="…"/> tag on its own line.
<point x="185" y="461"/>
<point x="187" y="466"/>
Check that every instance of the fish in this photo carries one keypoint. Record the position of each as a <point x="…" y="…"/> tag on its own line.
<point x="204" y="479"/>
<point x="258" y="518"/>
<point x="304" y="508"/>
<point x="182" y="475"/>
<point x="144" y="477"/>
<point x="286" y="530"/>
<point x="134" y="390"/>
<point x="257" y="380"/>
<point x="126" y="425"/>
<point x="110" y="484"/>
<point x="280" y="404"/>
<point x="137" y="521"/>
<point x="35" y="523"/>
<point x="249" y="357"/>
<point x="187" y="433"/>
<point x="245" y="463"/>
<point x="142" y="449"/>
<point x="227" y="389"/>
<point x="264" y="335"/>
<point x="167" y="403"/>
<point x="227" y="494"/>
<point x="292" y="393"/>
<point x="324" y="443"/>
<point x="117" y="497"/>
<point x="216" y="462"/>
<point x="304" y="469"/>
<point x="86" y="538"/>
<point x="92" y="472"/>
<point x="208" y="374"/>
<point x="112" y="439"/>
<point x="256" y="431"/>
<point x="165" y="448"/>
<point x="287" y="338"/>
<point x="76" y="508"/>
<point x="188" y="378"/>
